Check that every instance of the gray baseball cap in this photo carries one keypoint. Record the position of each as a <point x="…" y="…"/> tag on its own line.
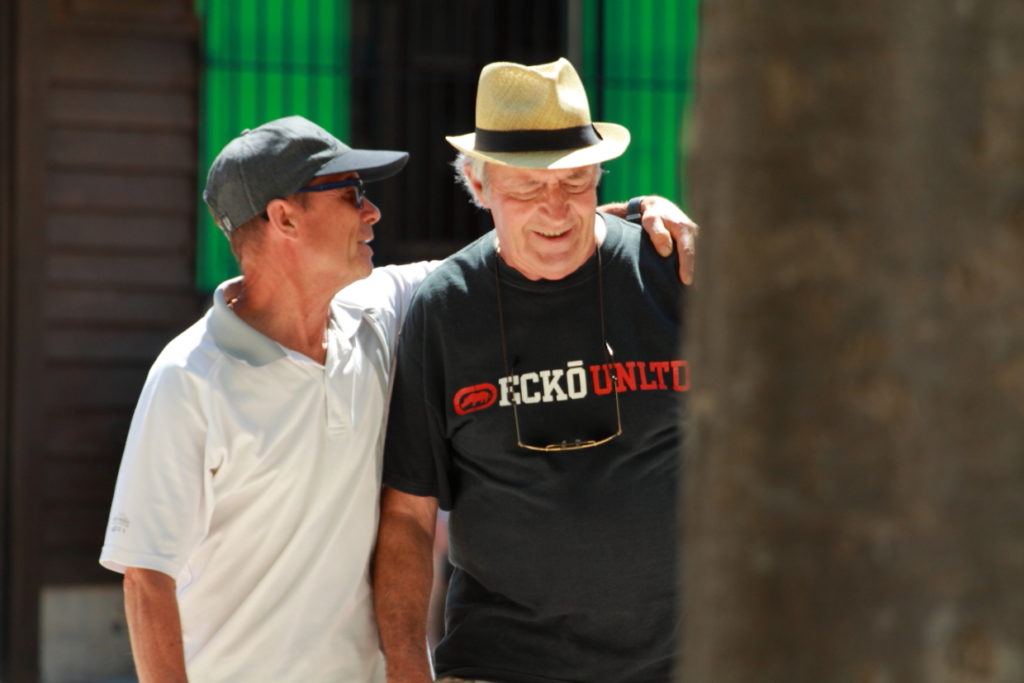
<point x="278" y="158"/>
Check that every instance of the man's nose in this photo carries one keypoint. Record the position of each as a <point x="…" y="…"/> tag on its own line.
<point x="370" y="211"/>
<point x="556" y="198"/>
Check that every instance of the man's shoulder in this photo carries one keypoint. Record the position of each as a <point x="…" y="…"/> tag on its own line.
<point x="633" y="245"/>
<point x="456" y="272"/>
<point x="192" y="351"/>
<point x="623" y="232"/>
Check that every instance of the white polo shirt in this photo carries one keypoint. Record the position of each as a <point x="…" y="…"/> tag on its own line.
<point x="251" y="476"/>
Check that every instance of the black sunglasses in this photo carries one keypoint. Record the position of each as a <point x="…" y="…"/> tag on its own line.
<point x="357" y="183"/>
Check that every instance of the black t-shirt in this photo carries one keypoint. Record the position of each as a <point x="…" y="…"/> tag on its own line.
<point x="565" y="562"/>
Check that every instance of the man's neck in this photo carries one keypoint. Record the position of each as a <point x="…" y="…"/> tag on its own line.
<point x="284" y="311"/>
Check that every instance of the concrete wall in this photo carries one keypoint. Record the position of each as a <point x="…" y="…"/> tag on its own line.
<point x="84" y="636"/>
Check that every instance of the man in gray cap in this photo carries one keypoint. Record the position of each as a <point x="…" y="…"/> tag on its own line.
<point x="536" y="398"/>
<point x="245" y="511"/>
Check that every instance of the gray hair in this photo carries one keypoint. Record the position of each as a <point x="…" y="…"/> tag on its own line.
<point x="478" y="167"/>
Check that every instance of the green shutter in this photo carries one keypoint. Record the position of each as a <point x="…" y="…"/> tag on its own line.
<point x="638" y="65"/>
<point x="263" y="59"/>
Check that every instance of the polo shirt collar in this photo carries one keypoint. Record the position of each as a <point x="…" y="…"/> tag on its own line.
<point x="237" y="338"/>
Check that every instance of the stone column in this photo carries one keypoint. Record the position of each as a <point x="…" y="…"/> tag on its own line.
<point x="854" y="487"/>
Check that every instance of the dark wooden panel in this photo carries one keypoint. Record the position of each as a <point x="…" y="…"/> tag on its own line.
<point x="123" y="192"/>
<point x="121" y="150"/>
<point x="74" y="526"/>
<point x="88" y="435"/>
<point x="78" y="481"/>
<point x="72" y="481"/>
<point x="118" y="309"/>
<point x="130" y="109"/>
<point x="105" y="345"/>
<point x="76" y="511"/>
<point x="120" y="206"/>
<point x="23" y="347"/>
<point x="63" y="567"/>
<point x="166" y="270"/>
<point x="120" y="60"/>
<point x="98" y="107"/>
<point x="121" y="231"/>
<point x="7" y="260"/>
<point x="101" y="388"/>
<point x="125" y="12"/>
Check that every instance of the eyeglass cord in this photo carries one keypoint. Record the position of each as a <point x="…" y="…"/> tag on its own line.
<point x="504" y="342"/>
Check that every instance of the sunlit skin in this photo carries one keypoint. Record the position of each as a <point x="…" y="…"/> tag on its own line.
<point x="545" y="219"/>
<point x="337" y="233"/>
<point x="312" y="246"/>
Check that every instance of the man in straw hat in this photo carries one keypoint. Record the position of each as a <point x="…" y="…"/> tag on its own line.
<point x="245" y="510"/>
<point x="536" y="398"/>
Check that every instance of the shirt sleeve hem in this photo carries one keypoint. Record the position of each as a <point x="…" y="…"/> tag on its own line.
<point x="414" y="488"/>
<point x="118" y="560"/>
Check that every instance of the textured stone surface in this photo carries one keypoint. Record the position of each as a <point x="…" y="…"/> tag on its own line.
<point x="854" y="507"/>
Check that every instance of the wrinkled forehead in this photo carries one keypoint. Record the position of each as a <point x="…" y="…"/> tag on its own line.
<point x="513" y="174"/>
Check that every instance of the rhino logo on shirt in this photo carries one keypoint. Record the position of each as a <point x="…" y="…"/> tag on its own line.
<point x="476" y="397"/>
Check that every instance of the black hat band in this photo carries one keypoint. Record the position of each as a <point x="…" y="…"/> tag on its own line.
<point x="576" y="137"/>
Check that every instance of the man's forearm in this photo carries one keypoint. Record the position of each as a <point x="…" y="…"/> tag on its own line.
<point x="617" y="209"/>
<point x="402" y="580"/>
<point x="154" y="626"/>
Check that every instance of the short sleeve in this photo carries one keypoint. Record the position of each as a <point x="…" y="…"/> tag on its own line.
<point x="388" y="291"/>
<point x="162" y="496"/>
<point x="416" y="450"/>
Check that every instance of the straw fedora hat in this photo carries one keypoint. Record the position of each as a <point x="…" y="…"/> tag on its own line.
<point x="537" y="117"/>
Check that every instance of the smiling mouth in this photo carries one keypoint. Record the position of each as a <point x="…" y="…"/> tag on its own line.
<point x="552" y="234"/>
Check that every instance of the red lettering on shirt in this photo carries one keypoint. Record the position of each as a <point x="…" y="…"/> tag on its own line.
<point x="546" y="385"/>
<point x="595" y="375"/>
<point x="645" y="384"/>
<point x="680" y="375"/>
<point x="660" y="367"/>
<point x="626" y="374"/>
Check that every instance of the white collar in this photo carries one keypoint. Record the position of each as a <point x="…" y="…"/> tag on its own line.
<point x="237" y="338"/>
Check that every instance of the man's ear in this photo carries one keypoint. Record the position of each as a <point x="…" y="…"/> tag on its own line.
<point x="283" y="216"/>
<point x="477" y="187"/>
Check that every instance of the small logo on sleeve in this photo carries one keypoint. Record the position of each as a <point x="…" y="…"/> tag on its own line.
<point x="119" y="524"/>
